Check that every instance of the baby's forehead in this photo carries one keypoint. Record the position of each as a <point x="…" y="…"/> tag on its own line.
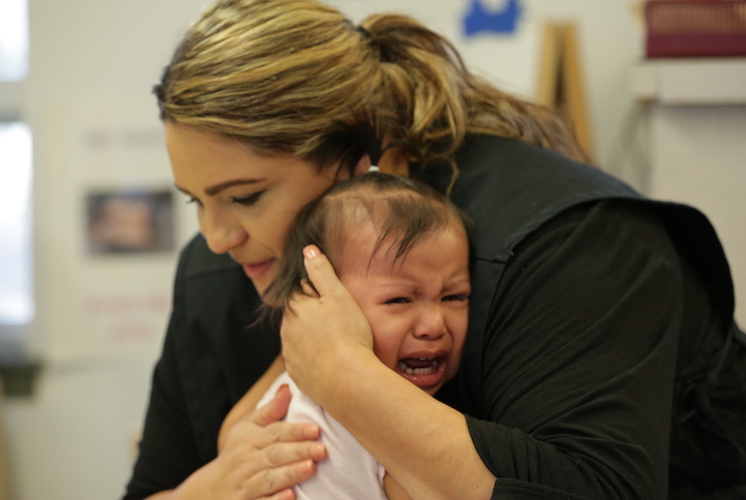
<point x="360" y="251"/>
<point x="356" y="249"/>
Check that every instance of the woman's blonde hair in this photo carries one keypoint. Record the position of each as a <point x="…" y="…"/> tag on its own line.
<point x="295" y="76"/>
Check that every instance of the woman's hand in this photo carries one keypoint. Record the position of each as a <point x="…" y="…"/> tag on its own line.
<point x="261" y="458"/>
<point x="264" y="456"/>
<point x="320" y="327"/>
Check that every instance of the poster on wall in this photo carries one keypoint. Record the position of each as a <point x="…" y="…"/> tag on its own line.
<point x="104" y="277"/>
<point x="129" y="222"/>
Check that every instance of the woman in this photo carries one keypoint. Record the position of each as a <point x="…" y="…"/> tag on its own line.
<point x="602" y="360"/>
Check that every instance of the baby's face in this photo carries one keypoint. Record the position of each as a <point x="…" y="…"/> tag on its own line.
<point x="417" y="308"/>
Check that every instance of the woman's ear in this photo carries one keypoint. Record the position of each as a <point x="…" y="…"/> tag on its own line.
<point x="362" y="166"/>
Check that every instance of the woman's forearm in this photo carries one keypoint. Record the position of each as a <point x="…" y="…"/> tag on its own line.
<point x="424" y="444"/>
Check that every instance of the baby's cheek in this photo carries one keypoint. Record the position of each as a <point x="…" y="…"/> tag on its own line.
<point x="457" y="325"/>
<point x="387" y="344"/>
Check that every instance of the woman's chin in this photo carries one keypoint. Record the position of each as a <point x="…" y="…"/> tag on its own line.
<point x="261" y="275"/>
<point x="261" y="289"/>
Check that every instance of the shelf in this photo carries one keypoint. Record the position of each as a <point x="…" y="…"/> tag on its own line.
<point x="716" y="81"/>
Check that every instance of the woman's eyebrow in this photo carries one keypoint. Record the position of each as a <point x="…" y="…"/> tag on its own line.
<point x="212" y="190"/>
<point x="225" y="185"/>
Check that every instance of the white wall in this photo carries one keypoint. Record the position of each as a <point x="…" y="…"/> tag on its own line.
<point x="92" y="67"/>
<point x="93" y="63"/>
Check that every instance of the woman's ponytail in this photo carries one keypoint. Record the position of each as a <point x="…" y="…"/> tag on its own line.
<point x="441" y="101"/>
<point x="295" y="76"/>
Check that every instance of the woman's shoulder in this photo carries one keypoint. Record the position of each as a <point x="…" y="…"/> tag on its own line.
<point x="511" y="188"/>
<point x="497" y="163"/>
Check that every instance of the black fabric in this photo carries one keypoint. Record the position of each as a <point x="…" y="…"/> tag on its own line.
<point x="579" y="361"/>
<point x="594" y="313"/>
<point x="509" y="195"/>
<point x="584" y="401"/>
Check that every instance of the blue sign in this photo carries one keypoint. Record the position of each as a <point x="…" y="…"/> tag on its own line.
<point x="504" y="21"/>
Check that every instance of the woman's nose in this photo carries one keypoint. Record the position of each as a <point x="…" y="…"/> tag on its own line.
<point x="430" y="324"/>
<point x="221" y="233"/>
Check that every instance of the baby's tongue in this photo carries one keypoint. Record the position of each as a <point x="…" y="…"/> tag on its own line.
<point x="417" y="363"/>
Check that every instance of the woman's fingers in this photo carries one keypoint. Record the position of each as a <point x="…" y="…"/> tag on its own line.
<point x="282" y="479"/>
<point x="279" y="455"/>
<point x="285" y="432"/>
<point x="282" y="465"/>
<point x="275" y="410"/>
<point x="282" y="495"/>
<point x="263" y="456"/>
<point x="320" y="271"/>
<point x="269" y="429"/>
<point x="260" y="462"/>
<point x="308" y="288"/>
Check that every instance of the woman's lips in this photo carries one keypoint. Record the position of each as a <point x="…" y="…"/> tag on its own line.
<point x="258" y="270"/>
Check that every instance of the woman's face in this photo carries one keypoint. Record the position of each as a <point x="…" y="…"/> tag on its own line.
<point x="417" y="306"/>
<point x="245" y="201"/>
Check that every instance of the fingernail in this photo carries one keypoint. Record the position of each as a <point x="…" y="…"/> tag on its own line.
<point x="283" y="386"/>
<point x="306" y="466"/>
<point x="310" y="253"/>
<point x="312" y="431"/>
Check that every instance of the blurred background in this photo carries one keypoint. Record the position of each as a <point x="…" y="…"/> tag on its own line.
<point x="90" y="225"/>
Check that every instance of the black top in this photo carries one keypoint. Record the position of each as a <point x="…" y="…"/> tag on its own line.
<point x="589" y="351"/>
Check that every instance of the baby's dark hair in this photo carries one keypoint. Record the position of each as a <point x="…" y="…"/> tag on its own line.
<point x="403" y="211"/>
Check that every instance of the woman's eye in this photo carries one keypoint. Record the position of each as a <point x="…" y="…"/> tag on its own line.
<point x="397" y="300"/>
<point x="192" y="199"/>
<point x="248" y="200"/>
<point x="456" y="297"/>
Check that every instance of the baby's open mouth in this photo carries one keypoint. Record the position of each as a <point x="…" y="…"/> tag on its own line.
<point x="419" y="366"/>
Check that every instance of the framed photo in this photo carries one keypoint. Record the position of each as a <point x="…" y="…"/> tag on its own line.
<point x="130" y="222"/>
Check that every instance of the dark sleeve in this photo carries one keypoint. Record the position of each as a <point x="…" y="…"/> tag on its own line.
<point x="579" y="359"/>
<point x="168" y="451"/>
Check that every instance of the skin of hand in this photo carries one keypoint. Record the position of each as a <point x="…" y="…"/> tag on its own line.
<point x="261" y="458"/>
<point x="328" y="351"/>
<point x="336" y="303"/>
